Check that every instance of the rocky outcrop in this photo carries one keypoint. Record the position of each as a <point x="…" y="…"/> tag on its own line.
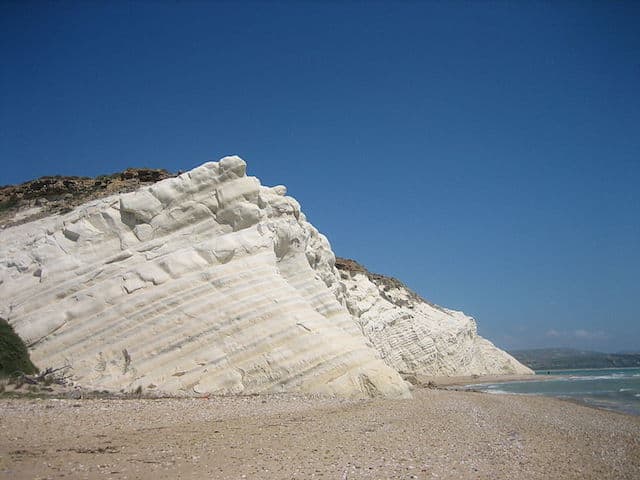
<point x="415" y="336"/>
<point x="203" y="283"/>
<point x="54" y="195"/>
<point x="211" y="283"/>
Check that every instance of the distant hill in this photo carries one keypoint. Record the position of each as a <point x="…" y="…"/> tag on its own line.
<point x="567" y="358"/>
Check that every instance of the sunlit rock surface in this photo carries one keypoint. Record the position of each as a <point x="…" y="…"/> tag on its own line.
<point x="209" y="283"/>
<point x="418" y="337"/>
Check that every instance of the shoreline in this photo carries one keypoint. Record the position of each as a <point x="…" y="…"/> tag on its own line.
<point x="439" y="434"/>
<point x="469" y="384"/>
<point x="466" y="380"/>
<point x="578" y="369"/>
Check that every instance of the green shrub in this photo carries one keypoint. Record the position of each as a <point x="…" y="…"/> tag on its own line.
<point x="14" y="356"/>
<point x="11" y="202"/>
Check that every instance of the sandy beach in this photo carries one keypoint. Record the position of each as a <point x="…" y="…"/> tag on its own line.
<point x="438" y="434"/>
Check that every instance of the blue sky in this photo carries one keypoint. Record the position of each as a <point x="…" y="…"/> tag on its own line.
<point x="486" y="153"/>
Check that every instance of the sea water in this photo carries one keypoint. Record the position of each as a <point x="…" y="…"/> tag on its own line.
<point x="612" y="388"/>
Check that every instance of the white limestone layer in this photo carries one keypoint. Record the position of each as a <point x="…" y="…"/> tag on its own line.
<point x="416" y="337"/>
<point x="198" y="284"/>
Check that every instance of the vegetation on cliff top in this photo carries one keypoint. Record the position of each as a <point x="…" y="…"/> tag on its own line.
<point x="57" y="194"/>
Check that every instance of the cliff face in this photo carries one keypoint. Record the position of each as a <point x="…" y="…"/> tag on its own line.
<point x="211" y="283"/>
<point x="199" y="283"/>
<point x="415" y="336"/>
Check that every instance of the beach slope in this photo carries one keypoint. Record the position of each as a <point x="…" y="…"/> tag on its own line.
<point x="437" y="434"/>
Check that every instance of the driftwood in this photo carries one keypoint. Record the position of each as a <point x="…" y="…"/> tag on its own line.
<point x="49" y="374"/>
<point x="46" y="377"/>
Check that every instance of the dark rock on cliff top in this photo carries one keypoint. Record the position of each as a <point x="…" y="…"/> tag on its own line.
<point x="57" y="194"/>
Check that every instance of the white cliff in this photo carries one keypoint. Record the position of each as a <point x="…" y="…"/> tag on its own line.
<point x="416" y="337"/>
<point x="198" y="283"/>
<point x="211" y="283"/>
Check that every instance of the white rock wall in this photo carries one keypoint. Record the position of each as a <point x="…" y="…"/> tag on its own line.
<point x="416" y="337"/>
<point x="197" y="284"/>
<point x="212" y="283"/>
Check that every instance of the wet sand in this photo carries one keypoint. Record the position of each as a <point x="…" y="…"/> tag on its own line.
<point x="438" y="434"/>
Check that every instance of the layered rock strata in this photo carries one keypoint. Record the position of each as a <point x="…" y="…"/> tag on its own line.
<point x="199" y="283"/>
<point x="415" y="336"/>
<point x="210" y="283"/>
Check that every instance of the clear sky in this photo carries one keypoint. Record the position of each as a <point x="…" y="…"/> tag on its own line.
<point x="486" y="153"/>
